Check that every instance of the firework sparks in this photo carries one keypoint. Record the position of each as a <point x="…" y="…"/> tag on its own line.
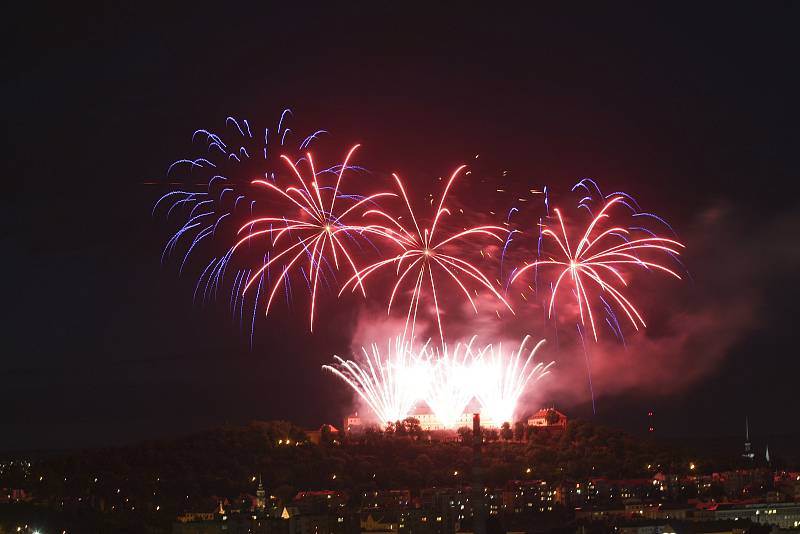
<point x="501" y="379"/>
<point x="426" y="255"/>
<point x="389" y="384"/>
<point x="599" y="257"/>
<point x="447" y="379"/>
<point x="318" y="233"/>
<point x="451" y="385"/>
<point x="215" y="195"/>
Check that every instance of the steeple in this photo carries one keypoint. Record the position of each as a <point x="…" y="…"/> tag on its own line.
<point x="261" y="496"/>
<point x="748" y="450"/>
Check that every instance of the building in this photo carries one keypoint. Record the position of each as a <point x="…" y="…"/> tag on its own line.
<point x="602" y="491"/>
<point x="428" y="421"/>
<point x="380" y="521"/>
<point x="422" y="521"/>
<point x="783" y="515"/>
<point x="14" y="495"/>
<point x="743" y="483"/>
<point x="646" y="528"/>
<point x="318" y="502"/>
<point x="548" y="418"/>
<point x="529" y="496"/>
<point x="353" y="423"/>
<point x="261" y="497"/>
<point x="315" y="436"/>
<point x="228" y="522"/>
<point x="671" y="511"/>
<point x="748" y="449"/>
<point x="386" y="499"/>
<point x="189" y="517"/>
<point x="342" y="523"/>
<point x="291" y="521"/>
<point x="453" y="501"/>
<point x="789" y="485"/>
<point x="601" y="513"/>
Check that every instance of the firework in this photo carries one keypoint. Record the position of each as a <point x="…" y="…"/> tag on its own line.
<point x="500" y="379"/>
<point x="390" y="384"/>
<point x="447" y="379"/>
<point x="213" y="194"/>
<point x="599" y="258"/>
<point x="452" y="381"/>
<point x="424" y="253"/>
<point x="318" y="233"/>
<point x="215" y="186"/>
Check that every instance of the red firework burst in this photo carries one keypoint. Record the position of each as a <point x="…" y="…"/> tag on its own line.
<point x="425" y="253"/>
<point x="599" y="259"/>
<point x="316" y="233"/>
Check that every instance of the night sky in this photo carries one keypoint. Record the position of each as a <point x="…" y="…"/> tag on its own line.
<point x="693" y="110"/>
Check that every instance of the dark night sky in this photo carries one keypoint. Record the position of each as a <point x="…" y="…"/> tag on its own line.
<point x="694" y="111"/>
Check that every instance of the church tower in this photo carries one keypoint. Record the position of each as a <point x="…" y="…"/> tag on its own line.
<point x="261" y="496"/>
<point x="748" y="448"/>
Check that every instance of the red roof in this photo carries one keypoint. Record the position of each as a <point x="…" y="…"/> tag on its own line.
<point x="543" y="413"/>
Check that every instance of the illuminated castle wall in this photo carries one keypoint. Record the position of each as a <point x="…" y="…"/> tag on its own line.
<point x="427" y="420"/>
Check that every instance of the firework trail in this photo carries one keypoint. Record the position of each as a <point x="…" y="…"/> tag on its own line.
<point x="599" y="257"/>
<point x="501" y="379"/>
<point x="426" y="255"/>
<point x="319" y="232"/>
<point x="390" y="384"/>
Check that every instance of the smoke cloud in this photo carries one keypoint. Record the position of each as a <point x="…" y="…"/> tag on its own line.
<point x="692" y="324"/>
